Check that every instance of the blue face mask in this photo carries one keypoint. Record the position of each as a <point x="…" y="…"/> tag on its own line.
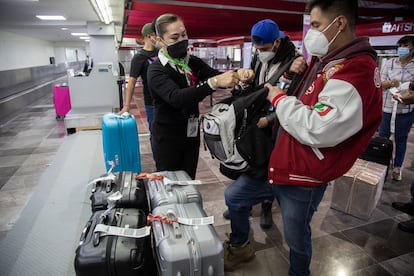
<point x="403" y="52"/>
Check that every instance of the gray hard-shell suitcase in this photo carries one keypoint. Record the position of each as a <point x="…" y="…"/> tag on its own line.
<point x="133" y="192"/>
<point x="183" y="249"/>
<point x="161" y="194"/>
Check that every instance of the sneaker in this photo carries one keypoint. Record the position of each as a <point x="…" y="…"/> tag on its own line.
<point x="235" y="255"/>
<point x="407" y="226"/>
<point x="226" y="214"/>
<point x="266" y="220"/>
<point x="396" y="174"/>
<point x="406" y="207"/>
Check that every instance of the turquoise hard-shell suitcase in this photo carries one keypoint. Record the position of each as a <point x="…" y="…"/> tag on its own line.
<point x="120" y="143"/>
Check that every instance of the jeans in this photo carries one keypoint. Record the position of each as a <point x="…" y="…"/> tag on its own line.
<point x="240" y="197"/>
<point x="149" y="111"/>
<point x="403" y="123"/>
<point x="297" y="205"/>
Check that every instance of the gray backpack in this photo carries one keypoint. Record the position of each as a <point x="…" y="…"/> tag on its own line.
<point x="224" y="124"/>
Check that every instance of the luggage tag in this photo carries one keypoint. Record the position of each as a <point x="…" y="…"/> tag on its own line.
<point x="192" y="127"/>
<point x="196" y="221"/>
<point x="106" y="230"/>
<point x="168" y="183"/>
<point x="187" y="221"/>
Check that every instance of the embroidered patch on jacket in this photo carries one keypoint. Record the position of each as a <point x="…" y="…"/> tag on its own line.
<point x="331" y="71"/>
<point x="322" y="109"/>
<point x="310" y="89"/>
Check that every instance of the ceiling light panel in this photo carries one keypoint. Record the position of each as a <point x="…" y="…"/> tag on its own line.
<point x="51" y="17"/>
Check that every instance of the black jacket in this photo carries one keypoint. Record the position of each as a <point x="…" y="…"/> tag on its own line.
<point x="174" y="101"/>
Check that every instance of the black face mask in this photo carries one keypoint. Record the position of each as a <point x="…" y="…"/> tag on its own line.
<point x="178" y="50"/>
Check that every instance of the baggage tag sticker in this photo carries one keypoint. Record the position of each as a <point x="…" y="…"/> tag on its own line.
<point x="110" y="176"/>
<point x="192" y="127"/>
<point x="196" y="221"/>
<point x="167" y="182"/>
<point x="106" y="230"/>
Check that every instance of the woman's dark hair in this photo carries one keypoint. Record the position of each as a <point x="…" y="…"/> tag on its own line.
<point x="163" y="20"/>
<point x="349" y="8"/>
<point x="406" y="40"/>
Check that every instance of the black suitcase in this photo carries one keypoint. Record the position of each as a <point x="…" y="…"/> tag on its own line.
<point x="379" y="151"/>
<point x="99" y="254"/>
<point x="132" y="190"/>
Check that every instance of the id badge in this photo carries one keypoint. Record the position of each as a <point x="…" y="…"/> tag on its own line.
<point x="192" y="127"/>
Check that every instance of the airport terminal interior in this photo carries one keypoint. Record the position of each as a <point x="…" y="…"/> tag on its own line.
<point x="48" y="161"/>
<point x="42" y="218"/>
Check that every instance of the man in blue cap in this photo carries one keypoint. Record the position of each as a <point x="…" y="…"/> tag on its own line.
<point x="275" y="60"/>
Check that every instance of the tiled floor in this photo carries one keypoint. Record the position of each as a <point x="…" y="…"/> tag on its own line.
<point x="342" y="244"/>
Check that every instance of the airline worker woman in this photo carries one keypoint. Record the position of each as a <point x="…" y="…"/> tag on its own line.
<point x="178" y="81"/>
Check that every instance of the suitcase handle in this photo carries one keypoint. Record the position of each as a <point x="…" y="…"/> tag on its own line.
<point x="93" y="190"/>
<point x="85" y="232"/>
<point x="176" y="226"/>
<point x="108" y="186"/>
<point x="96" y="235"/>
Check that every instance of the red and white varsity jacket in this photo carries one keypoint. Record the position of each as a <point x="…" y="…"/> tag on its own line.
<point x="331" y="125"/>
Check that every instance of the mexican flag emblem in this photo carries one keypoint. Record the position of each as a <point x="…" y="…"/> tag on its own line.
<point x="322" y="109"/>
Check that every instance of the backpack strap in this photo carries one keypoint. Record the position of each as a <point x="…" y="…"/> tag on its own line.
<point x="273" y="80"/>
<point x="255" y="65"/>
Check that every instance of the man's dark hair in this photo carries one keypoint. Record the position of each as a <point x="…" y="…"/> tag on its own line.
<point x="406" y="40"/>
<point x="348" y="8"/>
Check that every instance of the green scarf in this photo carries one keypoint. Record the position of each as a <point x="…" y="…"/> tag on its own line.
<point x="183" y="66"/>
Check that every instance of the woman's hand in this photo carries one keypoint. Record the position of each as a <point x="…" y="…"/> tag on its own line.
<point x="408" y="98"/>
<point x="227" y="79"/>
<point x="245" y="75"/>
<point x="394" y="83"/>
<point x="391" y="83"/>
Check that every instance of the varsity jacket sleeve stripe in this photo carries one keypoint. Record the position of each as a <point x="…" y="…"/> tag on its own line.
<point x="339" y="118"/>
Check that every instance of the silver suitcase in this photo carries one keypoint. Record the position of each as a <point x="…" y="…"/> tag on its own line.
<point x="161" y="193"/>
<point x="186" y="249"/>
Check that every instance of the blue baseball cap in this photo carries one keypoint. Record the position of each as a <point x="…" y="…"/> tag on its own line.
<point x="265" y="31"/>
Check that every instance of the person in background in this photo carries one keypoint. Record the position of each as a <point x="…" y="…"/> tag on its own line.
<point x="395" y="72"/>
<point x="276" y="57"/>
<point x="407" y="207"/>
<point x="139" y="67"/>
<point x="327" y="126"/>
<point x="178" y="81"/>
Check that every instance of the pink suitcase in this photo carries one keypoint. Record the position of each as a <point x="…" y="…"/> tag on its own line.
<point x="61" y="100"/>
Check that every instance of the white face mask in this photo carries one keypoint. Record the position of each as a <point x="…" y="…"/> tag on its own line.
<point x="265" y="57"/>
<point x="316" y="43"/>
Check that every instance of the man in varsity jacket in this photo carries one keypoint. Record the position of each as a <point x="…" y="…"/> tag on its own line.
<point x="328" y="126"/>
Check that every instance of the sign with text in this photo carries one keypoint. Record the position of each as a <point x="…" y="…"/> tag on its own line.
<point x="386" y="28"/>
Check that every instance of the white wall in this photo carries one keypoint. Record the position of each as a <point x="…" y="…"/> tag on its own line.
<point x="103" y="49"/>
<point x="64" y="51"/>
<point x="18" y="51"/>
